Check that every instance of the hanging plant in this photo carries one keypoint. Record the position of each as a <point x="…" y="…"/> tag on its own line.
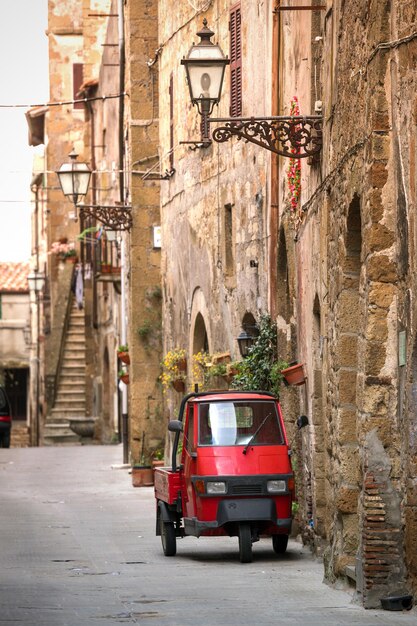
<point x="174" y="368"/>
<point x="261" y="369"/>
<point x="294" y="167"/>
<point x="63" y="249"/>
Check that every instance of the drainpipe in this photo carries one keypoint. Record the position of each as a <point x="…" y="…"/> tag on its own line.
<point x="35" y="184"/>
<point x="123" y="330"/>
<point x="274" y="206"/>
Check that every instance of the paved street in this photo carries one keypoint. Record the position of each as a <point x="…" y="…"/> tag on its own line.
<point x="78" y="548"/>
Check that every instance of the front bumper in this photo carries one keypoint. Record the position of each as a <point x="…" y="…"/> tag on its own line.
<point x="233" y="511"/>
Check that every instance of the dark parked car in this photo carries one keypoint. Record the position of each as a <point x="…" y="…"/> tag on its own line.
<point x="5" y="420"/>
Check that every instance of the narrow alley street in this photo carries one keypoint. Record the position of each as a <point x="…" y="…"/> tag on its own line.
<point x="78" y="548"/>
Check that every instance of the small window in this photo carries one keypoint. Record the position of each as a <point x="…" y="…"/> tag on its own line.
<point x="190" y="447"/>
<point x="77" y="81"/>
<point x="235" y="62"/>
<point x="171" y="122"/>
<point x="228" y="241"/>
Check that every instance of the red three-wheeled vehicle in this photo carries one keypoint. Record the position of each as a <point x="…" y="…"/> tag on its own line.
<point x="234" y="475"/>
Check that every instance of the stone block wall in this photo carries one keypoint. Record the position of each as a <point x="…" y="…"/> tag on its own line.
<point x="354" y="264"/>
<point x="142" y="124"/>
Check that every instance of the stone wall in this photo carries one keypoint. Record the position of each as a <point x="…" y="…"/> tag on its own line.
<point x="353" y="284"/>
<point x="75" y="35"/>
<point x="145" y="398"/>
<point x="215" y="209"/>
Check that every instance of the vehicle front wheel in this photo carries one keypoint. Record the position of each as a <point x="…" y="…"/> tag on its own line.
<point x="245" y="543"/>
<point x="168" y="538"/>
<point x="279" y="543"/>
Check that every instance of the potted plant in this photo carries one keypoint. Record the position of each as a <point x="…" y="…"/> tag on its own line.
<point x="217" y="376"/>
<point x="294" y="374"/>
<point x="123" y="375"/>
<point x="123" y="354"/>
<point x="158" y="458"/>
<point x="174" y="368"/>
<point x="142" y="472"/>
<point x="64" y="250"/>
<point x="105" y="268"/>
<point x="261" y="369"/>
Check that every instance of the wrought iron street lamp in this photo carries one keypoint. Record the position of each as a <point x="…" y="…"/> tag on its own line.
<point x="294" y="136"/>
<point x="36" y="281"/>
<point x="245" y="342"/>
<point x="205" y="66"/>
<point x="74" y="178"/>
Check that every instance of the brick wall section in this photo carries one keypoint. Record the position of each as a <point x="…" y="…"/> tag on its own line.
<point x="20" y="436"/>
<point x="381" y="552"/>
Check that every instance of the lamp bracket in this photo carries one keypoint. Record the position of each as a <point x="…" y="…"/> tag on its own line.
<point x="114" y="217"/>
<point x="295" y="137"/>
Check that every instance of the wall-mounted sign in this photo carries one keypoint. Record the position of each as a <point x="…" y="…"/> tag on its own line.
<point x="402" y="348"/>
<point x="156" y="236"/>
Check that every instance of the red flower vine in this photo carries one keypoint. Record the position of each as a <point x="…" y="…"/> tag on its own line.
<point x="294" y="167"/>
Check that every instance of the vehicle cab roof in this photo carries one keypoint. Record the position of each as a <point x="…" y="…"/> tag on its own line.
<point x="212" y="396"/>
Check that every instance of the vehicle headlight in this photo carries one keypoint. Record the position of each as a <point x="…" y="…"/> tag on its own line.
<point x="276" y="486"/>
<point x="216" y="487"/>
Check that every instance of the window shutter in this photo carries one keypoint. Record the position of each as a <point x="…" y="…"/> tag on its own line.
<point x="77" y="81"/>
<point x="171" y="122"/>
<point x="235" y="62"/>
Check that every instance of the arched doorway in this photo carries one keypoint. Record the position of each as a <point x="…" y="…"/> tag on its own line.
<point x="200" y="337"/>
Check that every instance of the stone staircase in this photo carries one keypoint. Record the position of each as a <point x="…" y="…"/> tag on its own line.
<point x="70" y="400"/>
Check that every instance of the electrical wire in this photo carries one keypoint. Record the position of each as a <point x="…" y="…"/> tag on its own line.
<point x="63" y="103"/>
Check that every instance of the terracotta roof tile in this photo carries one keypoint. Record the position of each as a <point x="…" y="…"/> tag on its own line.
<point x="13" y="277"/>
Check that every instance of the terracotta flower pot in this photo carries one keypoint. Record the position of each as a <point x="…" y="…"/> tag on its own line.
<point x="178" y="385"/>
<point x="142" y="476"/>
<point x="124" y="357"/>
<point x="182" y="365"/>
<point x="125" y="379"/>
<point x="294" y="375"/>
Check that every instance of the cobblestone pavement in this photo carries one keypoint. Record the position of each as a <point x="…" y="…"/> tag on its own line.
<point x="78" y="548"/>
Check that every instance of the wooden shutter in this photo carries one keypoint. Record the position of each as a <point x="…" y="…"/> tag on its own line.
<point x="77" y="81"/>
<point x="171" y="122"/>
<point x="235" y="62"/>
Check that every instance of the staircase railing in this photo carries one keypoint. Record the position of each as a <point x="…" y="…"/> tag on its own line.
<point x="52" y="380"/>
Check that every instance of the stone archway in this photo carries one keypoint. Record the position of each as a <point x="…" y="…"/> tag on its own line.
<point x="348" y="479"/>
<point x="200" y="336"/>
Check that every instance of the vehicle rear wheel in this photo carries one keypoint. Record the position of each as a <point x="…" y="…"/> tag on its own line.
<point x="168" y="538"/>
<point x="279" y="543"/>
<point x="245" y="543"/>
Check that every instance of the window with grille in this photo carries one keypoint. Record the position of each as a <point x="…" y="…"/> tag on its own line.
<point x="235" y="62"/>
<point x="77" y="81"/>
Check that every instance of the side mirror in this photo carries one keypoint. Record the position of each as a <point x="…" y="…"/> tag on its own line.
<point x="302" y="421"/>
<point x="175" y="426"/>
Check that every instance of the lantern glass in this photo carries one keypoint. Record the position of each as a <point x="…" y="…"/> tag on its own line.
<point x="245" y="342"/>
<point x="205" y="66"/>
<point x="36" y="281"/>
<point x="205" y="74"/>
<point x="74" y="179"/>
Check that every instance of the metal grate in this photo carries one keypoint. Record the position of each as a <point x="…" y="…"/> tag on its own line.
<point x="246" y="490"/>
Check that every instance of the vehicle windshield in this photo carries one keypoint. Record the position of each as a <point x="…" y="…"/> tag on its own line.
<point x="235" y="423"/>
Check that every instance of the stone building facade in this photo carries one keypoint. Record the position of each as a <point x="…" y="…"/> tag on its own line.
<point x="332" y="261"/>
<point x="350" y="242"/>
<point x="329" y="257"/>
<point x="77" y="32"/>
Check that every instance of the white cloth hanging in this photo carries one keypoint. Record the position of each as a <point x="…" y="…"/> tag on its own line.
<point x="79" y="287"/>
